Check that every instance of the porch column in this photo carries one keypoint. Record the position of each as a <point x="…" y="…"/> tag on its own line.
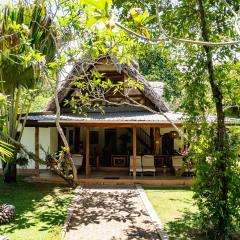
<point x="37" y="172"/>
<point x="152" y="139"/>
<point x="87" y="152"/>
<point x="134" y="151"/>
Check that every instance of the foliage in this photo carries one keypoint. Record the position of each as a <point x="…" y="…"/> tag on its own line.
<point x="26" y="45"/>
<point x="40" y="103"/>
<point x="155" y="64"/>
<point x="5" y="150"/>
<point x="208" y="177"/>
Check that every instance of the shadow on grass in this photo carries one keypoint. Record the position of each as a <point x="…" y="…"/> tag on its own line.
<point x="37" y="204"/>
<point x="184" y="200"/>
<point x="186" y="227"/>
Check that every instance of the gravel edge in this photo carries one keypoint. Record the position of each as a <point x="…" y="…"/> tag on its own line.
<point x="155" y="219"/>
<point x="71" y="208"/>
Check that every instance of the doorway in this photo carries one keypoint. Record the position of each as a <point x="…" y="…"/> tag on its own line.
<point x="110" y="146"/>
<point x="167" y="144"/>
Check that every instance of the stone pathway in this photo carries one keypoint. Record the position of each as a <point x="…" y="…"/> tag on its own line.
<point x="110" y="213"/>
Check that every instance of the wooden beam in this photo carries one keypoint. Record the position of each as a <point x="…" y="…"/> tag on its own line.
<point x="37" y="171"/>
<point x="134" y="151"/>
<point x="103" y="124"/>
<point x="114" y="124"/>
<point x="87" y="152"/>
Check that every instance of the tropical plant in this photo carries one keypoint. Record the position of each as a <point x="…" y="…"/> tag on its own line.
<point x="26" y="45"/>
<point x="5" y="150"/>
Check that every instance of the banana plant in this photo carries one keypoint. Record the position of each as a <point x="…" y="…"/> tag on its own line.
<point x="27" y="43"/>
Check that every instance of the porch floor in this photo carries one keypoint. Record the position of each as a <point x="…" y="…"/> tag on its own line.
<point x="119" y="176"/>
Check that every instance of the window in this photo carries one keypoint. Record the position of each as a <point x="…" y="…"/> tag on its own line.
<point x="93" y="137"/>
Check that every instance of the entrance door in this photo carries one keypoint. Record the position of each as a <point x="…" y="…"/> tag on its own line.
<point x="167" y="144"/>
<point x="110" y="141"/>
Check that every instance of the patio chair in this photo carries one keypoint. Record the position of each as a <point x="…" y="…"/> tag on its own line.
<point x="148" y="164"/>
<point x="178" y="165"/>
<point x="138" y="165"/>
<point x="77" y="160"/>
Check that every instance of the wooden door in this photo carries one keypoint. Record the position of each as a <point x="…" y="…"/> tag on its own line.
<point x="167" y="144"/>
<point x="110" y="145"/>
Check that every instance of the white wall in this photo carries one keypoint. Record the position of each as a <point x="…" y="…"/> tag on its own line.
<point x="48" y="139"/>
<point x="28" y="140"/>
<point x="44" y="141"/>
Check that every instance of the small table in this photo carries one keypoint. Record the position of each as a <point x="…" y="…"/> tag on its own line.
<point x="119" y="160"/>
<point x="165" y="169"/>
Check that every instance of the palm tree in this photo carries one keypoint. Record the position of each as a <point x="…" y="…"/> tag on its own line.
<point x="26" y="44"/>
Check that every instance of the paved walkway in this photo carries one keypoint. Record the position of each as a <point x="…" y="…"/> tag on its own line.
<point x="110" y="213"/>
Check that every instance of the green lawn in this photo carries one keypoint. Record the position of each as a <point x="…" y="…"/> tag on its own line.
<point x="179" y="215"/>
<point x="40" y="210"/>
<point x="176" y="210"/>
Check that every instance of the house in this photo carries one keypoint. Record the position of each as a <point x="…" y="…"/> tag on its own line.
<point x="107" y="137"/>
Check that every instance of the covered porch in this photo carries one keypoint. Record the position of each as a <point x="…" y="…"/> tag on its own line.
<point x="123" y="143"/>
<point x="120" y="150"/>
<point x="114" y="151"/>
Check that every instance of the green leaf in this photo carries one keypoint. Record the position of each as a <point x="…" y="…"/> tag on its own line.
<point x="91" y="21"/>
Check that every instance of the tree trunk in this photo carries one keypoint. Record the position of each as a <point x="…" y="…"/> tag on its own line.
<point x="221" y="129"/>
<point x="61" y="133"/>
<point x="10" y="172"/>
<point x="10" y="168"/>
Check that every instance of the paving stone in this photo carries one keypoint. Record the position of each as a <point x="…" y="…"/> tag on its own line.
<point x="110" y="213"/>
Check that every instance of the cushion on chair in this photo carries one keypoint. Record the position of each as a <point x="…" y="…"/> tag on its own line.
<point x="148" y="160"/>
<point x="138" y="164"/>
<point x="149" y="169"/>
<point x="148" y="163"/>
<point x="177" y="161"/>
<point x="137" y="169"/>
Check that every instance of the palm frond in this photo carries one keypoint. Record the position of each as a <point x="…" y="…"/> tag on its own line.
<point x="5" y="150"/>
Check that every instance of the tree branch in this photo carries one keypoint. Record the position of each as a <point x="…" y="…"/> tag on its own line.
<point x="174" y="39"/>
<point x="237" y="18"/>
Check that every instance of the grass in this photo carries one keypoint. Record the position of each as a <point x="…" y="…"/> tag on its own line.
<point x="40" y="210"/>
<point x="176" y="209"/>
<point x="171" y="204"/>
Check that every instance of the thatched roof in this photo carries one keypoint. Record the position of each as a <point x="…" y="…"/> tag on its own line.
<point x="157" y="86"/>
<point x="131" y="71"/>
